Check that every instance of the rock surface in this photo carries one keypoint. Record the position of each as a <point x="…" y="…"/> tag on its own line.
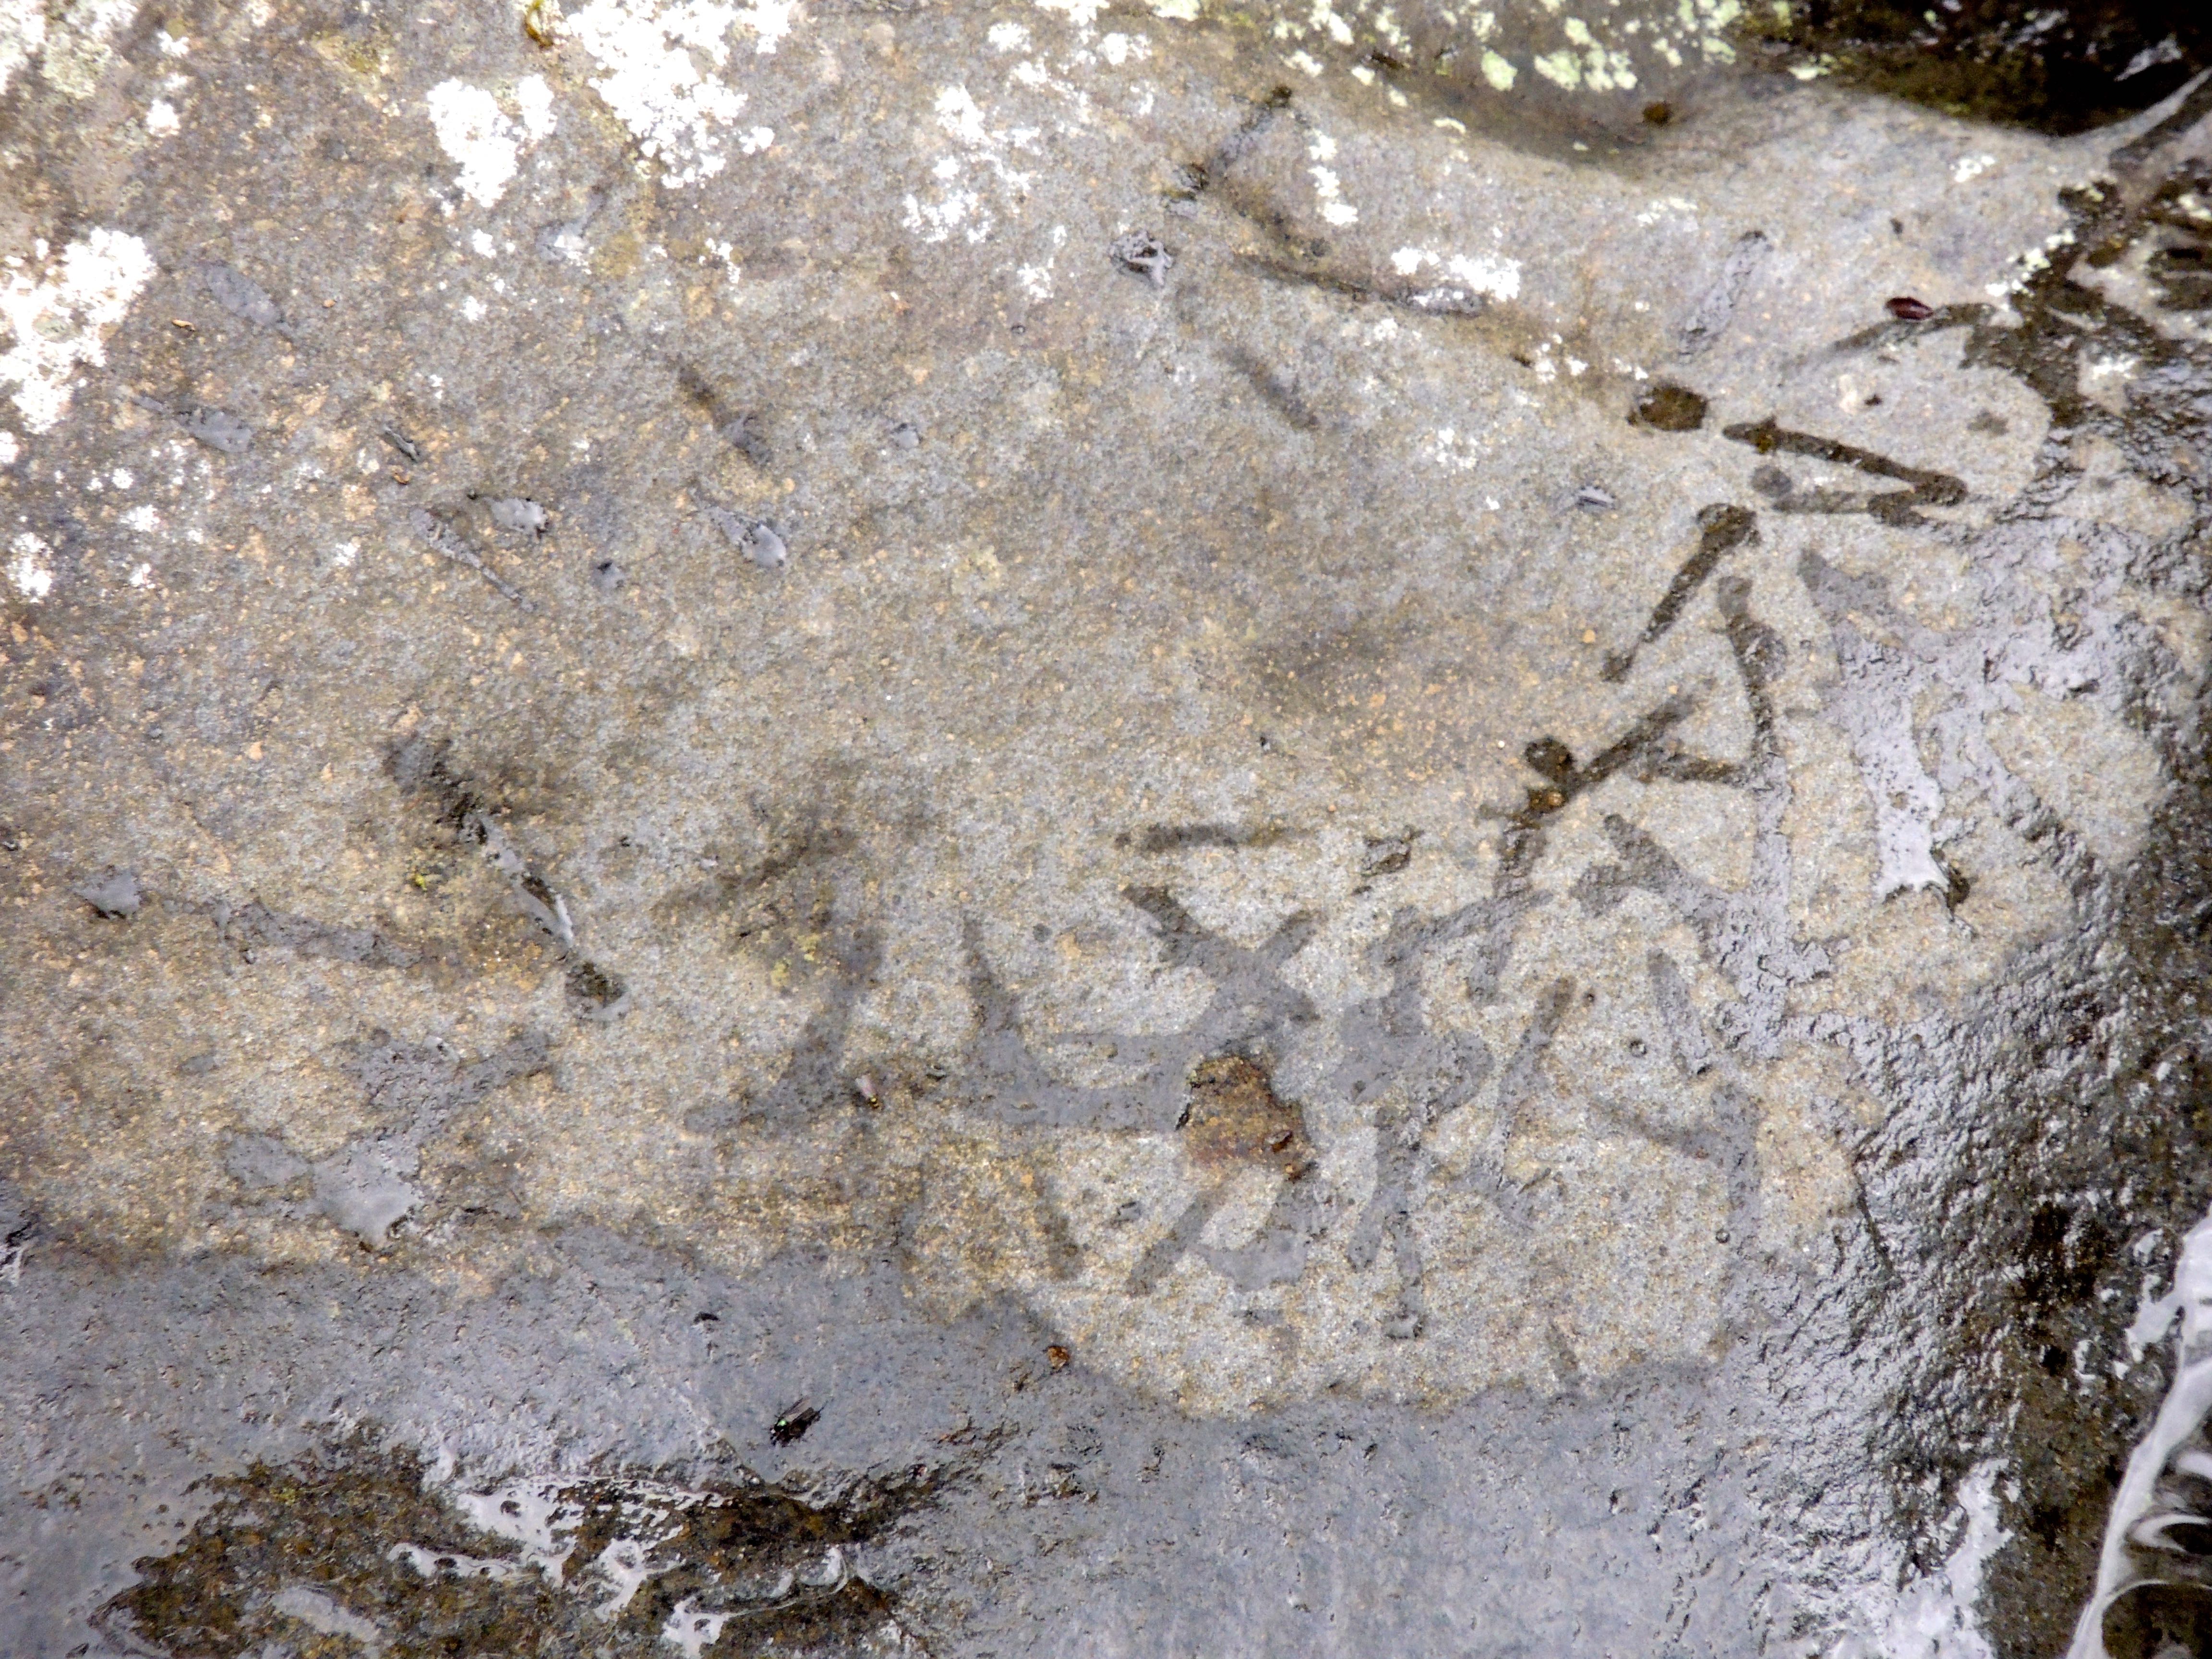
<point x="1066" y="830"/>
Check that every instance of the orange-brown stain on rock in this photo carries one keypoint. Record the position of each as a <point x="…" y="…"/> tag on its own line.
<point x="1235" y="1116"/>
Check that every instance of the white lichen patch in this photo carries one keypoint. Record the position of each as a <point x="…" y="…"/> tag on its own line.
<point x="1934" y="1615"/>
<point x="23" y="32"/>
<point x="1666" y="207"/>
<point x="1036" y="280"/>
<point x="1334" y="208"/>
<point x="161" y="119"/>
<point x="1119" y="50"/>
<point x="2030" y="262"/>
<point x="650" y="56"/>
<point x="61" y="321"/>
<point x="979" y="149"/>
<point x="533" y="101"/>
<point x="480" y="137"/>
<point x="74" y="43"/>
<point x="33" y="577"/>
<point x="1451" y="450"/>
<point x="692" y="1630"/>
<point x="1081" y="13"/>
<point x="1586" y="61"/>
<point x="1492" y="275"/>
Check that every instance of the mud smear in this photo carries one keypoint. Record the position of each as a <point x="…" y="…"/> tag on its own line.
<point x="362" y="1552"/>
<point x="798" y="903"/>
<point x="1158" y="838"/>
<point x="412" y="1091"/>
<point x="1740" y="933"/>
<point x="442" y="539"/>
<point x="744" y="430"/>
<point x="1420" y="1076"/>
<point x="2083" y="1074"/>
<point x="426" y="770"/>
<point x="1248" y="173"/>
<point x="253" y="927"/>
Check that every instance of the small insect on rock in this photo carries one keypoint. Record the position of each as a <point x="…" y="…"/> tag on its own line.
<point x="1906" y="309"/>
<point x="792" y="1422"/>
